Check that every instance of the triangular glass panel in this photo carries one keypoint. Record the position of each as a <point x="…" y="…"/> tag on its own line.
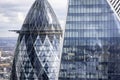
<point x="34" y="45"/>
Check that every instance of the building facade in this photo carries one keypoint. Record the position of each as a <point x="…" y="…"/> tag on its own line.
<point x="38" y="50"/>
<point x="116" y="5"/>
<point x="91" y="49"/>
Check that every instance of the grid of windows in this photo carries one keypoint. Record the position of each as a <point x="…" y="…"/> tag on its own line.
<point x="91" y="48"/>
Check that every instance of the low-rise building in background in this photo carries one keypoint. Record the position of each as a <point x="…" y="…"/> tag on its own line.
<point x="7" y="46"/>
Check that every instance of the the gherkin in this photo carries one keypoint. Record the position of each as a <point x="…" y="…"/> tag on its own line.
<point x="38" y="50"/>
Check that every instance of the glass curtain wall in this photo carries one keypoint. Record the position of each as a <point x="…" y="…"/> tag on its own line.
<point x="38" y="50"/>
<point x="91" y="48"/>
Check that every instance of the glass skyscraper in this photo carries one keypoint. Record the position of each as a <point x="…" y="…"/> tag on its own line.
<point x="39" y="46"/>
<point x="116" y="6"/>
<point x="91" y="49"/>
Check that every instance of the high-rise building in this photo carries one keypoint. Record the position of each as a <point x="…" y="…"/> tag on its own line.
<point x="116" y="6"/>
<point x="38" y="50"/>
<point x="91" y="49"/>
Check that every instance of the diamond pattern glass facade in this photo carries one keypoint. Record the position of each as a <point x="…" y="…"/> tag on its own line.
<point x="38" y="51"/>
<point x="91" y="49"/>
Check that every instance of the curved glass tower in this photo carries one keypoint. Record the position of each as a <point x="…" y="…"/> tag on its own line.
<point x="91" y="48"/>
<point x="38" y="51"/>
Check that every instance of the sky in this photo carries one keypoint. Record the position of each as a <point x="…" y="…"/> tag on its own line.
<point x="13" y="13"/>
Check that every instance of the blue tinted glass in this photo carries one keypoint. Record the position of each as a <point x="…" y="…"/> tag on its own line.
<point x="91" y="48"/>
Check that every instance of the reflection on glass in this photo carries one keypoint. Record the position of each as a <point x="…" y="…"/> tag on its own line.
<point x="92" y="42"/>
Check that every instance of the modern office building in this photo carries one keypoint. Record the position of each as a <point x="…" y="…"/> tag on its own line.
<point x="38" y="51"/>
<point x="91" y="49"/>
<point x="116" y="5"/>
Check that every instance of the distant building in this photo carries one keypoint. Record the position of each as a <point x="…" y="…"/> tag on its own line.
<point x="5" y="65"/>
<point x="0" y="53"/>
